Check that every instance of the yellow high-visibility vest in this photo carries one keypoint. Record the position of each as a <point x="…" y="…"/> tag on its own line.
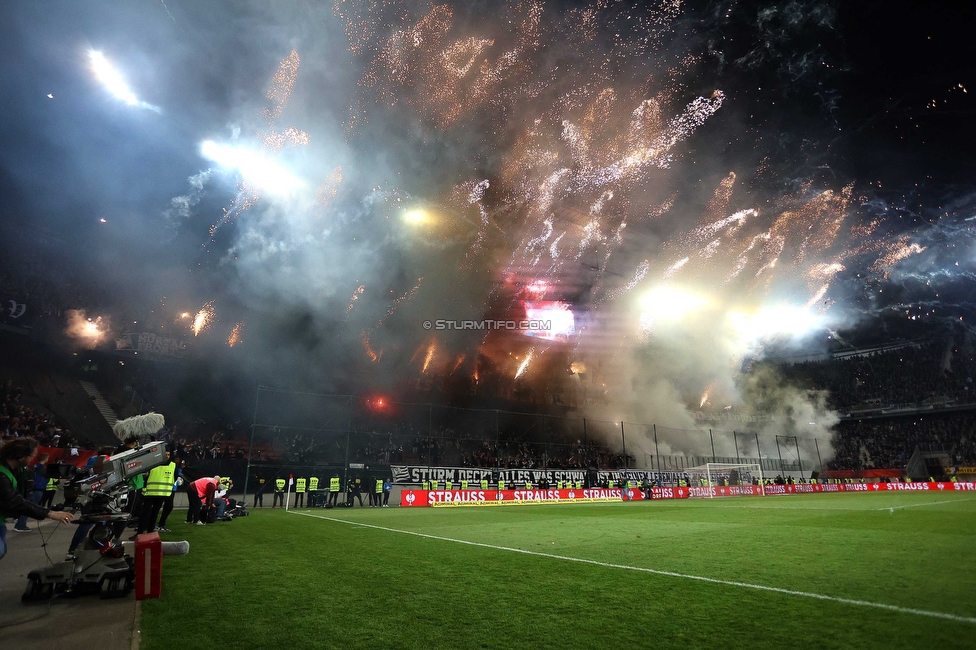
<point x="160" y="482"/>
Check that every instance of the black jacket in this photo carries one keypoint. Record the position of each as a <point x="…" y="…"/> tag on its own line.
<point x="13" y="503"/>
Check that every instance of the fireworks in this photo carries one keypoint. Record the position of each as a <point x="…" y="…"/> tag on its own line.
<point x="355" y="296"/>
<point x="704" y="397"/>
<point x="457" y="364"/>
<point x="329" y="187"/>
<point x="364" y="336"/>
<point x="86" y="330"/>
<point x="275" y="141"/>
<point x="525" y="363"/>
<point x="582" y="206"/>
<point x="235" y="335"/>
<point x="113" y="81"/>
<point x="364" y="339"/>
<point x="281" y="86"/>
<point x="256" y="168"/>
<point x="204" y="319"/>
<point x="431" y="349"/>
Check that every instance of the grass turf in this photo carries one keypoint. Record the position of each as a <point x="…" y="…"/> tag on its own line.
<point x="282" y="580"/>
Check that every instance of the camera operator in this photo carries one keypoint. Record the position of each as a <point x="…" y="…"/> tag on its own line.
<point x="39" y="472"/>
<point x="15" y="457"/>
<point x="94" y="464"/>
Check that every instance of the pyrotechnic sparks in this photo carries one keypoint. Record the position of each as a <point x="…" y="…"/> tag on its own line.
<point x="582" y="207"/>
<point x="235" y="335"/>
<point x="525" y="363"/>
<point x="896" y="252"/>
<point x="88" y="331"/>
<point x="254" y="166"/>
<point x="281" y="85"/>
<point x="457" y="364"/>
<point x="275" y="141"/>
<point x="355" y="296"/>
<point x="329" y="187"/>
<point x="704" y="397"/>
<point x="639" y="275"/>
<point x="114" y="82"/>
<point x="431" y="349"/>
<point x="674" y="268"/>
<point x="204" y="319"/>
<point x="364" y="339"/>
<point x="365" y="334"/>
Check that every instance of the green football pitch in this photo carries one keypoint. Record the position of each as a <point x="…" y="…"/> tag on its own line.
<point x="823" y="571"/>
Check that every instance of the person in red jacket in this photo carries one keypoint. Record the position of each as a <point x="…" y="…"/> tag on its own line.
<point x="200" y="493"/>
<point x="15" y="457"/>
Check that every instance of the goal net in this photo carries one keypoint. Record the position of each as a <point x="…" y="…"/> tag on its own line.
<point x="718" y="474"/>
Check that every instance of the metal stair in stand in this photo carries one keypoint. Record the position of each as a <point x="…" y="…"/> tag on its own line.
<point x="100" y="403"/>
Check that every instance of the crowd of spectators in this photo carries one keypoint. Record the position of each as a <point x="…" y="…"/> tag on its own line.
<point x="18" y="420"/>
<point x="889" y="443"/>
<point x="914" y="374"/>
<point x="43" y="287"/>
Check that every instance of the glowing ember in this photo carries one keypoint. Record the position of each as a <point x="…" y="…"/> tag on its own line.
<point x="235" y="335"/>
<point x="431" y="349"/>
<point x="525" y="363"/>
<point x="204" y="319"/>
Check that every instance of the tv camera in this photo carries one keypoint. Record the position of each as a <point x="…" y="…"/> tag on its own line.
<point x="101" y="562"/>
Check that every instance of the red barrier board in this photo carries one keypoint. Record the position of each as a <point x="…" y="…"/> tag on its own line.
<point x="426" y="498"/>
<point x="149" y="566"/>
<point x="513" y="497"/>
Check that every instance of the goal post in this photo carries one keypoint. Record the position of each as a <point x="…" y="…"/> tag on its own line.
<point x="713" y="473"/>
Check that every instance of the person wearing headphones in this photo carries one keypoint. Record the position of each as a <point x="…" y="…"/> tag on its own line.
<point x="15" y="457"/>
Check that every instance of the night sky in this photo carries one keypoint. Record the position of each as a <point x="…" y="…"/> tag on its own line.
<point x="601" y="133"/>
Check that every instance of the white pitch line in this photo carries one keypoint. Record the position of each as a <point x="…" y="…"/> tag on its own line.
<point x="672" y="574"/>
<point x="927" y="503"/>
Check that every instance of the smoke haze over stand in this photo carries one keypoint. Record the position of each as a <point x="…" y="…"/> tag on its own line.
<point x="605" y="149"/>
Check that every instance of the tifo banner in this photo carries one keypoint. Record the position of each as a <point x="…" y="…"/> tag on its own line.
<point x="151" y="344"/>
<point x="415" y="498"/>
<point x="416" y="474"/>
<point x="410" y="474"/>
<point x="14" y="311"/>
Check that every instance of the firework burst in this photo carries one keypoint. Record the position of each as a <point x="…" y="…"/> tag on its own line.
<point x="204" y="319"/>
<point x="235" y="335"/>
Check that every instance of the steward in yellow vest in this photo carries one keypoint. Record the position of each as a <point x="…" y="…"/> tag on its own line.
<point x="333" y="491"/>
<point x="300" y="484"/>
<point x="279" y="493"/>
<point x="313" y="491"/>
<point x="378" y="493"/>
<point x="158" y="488"/>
